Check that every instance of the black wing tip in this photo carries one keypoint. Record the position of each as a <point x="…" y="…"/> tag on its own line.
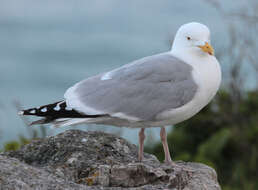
<point x="43" y="111"/>
<point x="32" y="111"/>
<point x="26" y="112"/>
<point x="54" y="111"/>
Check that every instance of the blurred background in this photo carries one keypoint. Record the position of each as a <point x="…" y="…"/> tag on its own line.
<point x="47" y="46"/>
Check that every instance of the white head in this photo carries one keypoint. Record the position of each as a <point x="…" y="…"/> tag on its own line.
<point x="193" y="37"/>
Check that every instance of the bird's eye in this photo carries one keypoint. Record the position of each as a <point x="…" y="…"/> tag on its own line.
<point x="188" y="38"/>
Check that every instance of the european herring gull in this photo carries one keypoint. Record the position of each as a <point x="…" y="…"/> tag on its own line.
<point x="154" y="91"/>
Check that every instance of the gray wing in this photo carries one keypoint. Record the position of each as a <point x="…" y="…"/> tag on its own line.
<point x="142" y="89"/>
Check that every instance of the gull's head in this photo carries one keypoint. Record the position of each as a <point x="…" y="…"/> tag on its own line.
<point x="193" y="37"/>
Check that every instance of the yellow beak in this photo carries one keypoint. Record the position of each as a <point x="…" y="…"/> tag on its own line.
<point x="207" y="48"/>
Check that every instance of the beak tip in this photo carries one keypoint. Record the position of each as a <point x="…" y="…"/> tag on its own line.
<point x="207" y="48"/>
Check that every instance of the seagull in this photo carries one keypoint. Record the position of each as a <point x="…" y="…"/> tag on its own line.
<point x="155" y="91"/>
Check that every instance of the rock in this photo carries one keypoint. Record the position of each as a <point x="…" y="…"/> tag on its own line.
<point x="96" y="160"/>
<point x="17" y="175"/>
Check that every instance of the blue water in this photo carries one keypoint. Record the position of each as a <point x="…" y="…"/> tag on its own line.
<point x="47" y="46"/>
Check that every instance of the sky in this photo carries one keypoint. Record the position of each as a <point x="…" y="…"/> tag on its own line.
<point x="47" y="46"/>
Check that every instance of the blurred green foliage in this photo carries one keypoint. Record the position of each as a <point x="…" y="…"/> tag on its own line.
<point x="22" y="140"/>
<point x="223" y="135"/>
<point x="15" y="145"/>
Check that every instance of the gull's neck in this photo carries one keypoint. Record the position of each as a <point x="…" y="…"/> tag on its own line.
<point x="183" y="54"/>
<point x="191" y="55"/>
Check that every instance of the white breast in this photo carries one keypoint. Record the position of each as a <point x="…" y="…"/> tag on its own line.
<point x="207" y="74"/>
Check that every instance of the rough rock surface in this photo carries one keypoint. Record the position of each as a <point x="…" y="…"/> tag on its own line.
<point x="96" y="160"/>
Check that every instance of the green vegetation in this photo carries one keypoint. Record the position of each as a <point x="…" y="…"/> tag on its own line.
<point x="223" y="135"/>
<point x="15" y="145"/>
<point x="22" y="140"/>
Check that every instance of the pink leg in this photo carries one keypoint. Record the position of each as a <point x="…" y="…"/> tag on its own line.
<point x="141" y="144"/>
<point x="163" y="137"/>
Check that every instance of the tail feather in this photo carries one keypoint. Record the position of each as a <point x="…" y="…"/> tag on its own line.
<point x="41" y="121"/>
<point x="70" y="122"/>
<point x="55" y="113"/>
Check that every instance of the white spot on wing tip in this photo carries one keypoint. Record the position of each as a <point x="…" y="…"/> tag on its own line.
<point x="33" y="111"/>
<point x="20" y="112"/>
<point x="57" y="108"/>
<point x="44" y="109"/>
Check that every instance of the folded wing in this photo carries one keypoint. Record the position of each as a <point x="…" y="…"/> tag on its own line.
<point x="139" y="91"/>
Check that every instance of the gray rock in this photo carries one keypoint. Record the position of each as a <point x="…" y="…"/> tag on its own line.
<point x="96" y="160"/>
